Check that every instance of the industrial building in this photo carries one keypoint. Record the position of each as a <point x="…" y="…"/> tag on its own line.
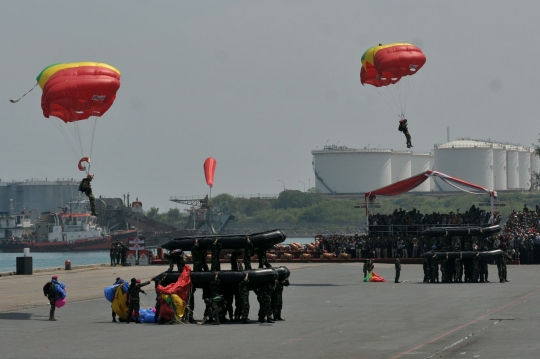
<point x="32" y="195"/>
<point x="498" y="166"/>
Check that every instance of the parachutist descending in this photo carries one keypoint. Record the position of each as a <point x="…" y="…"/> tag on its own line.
<point x="403" y="128"/>
<point x="86" y="188"/>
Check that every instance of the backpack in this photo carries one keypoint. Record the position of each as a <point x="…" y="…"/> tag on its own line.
<point x="83" y="185"/>
<point x="47" y="289"/>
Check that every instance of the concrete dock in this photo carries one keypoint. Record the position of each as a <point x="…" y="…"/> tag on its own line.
<point x="329" y="313"/>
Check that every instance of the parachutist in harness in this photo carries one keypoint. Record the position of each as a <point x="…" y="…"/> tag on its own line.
<point x="403" y="128"/>
<point x="86" y="188"/>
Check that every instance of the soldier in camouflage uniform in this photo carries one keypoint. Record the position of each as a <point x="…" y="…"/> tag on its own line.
<point x="263" y="261"/>
<point x="243" y="296"/>
<point x="216" y="249"/>
<point x="235" y="263"/>
<point x="476" y="268"/>
<point x="199" y="258"/>
<point x="444" y="272"/>
<point x="398" y="268"/>
<point x="248" y="252"/>
<point x="505" y="258"/>
<point x="434" y="269"/>
<point x="499" y="262"/>
<point x="277" y="298"/>
<point x="215" y="300"/>
<point x="427" y="271"/>
<point x="265" y="302"/>
<point x="368" y="267"/>
<point x="483" y="271"/>
<point x="176" y="257"/>
<point x="458" y="265"/>
<point x="134" y="300"/>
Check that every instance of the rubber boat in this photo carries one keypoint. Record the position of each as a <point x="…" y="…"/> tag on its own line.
<point x="229" y="279"/>
<point x="461" y="231"/>
<point x="230" y="243"/>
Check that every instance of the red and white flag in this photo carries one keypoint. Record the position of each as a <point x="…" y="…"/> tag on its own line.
<point x="136" y="243"/>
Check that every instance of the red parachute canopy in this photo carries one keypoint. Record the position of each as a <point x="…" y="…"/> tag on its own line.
<point x="181" y="287"/>
<point x="209" y="168"/>
<point x="81" y="161"/>
<point x="76" y="91"/>
<point x="387" y="64"/>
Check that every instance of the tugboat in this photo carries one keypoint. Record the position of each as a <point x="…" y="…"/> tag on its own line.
<point x="65" y="231"/>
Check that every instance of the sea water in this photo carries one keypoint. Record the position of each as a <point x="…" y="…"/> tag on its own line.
<point x="57" y="260"/>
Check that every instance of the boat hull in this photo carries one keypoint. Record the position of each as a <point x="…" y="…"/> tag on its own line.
<point x="235" y="243"/>
<point x="81" y="245"/>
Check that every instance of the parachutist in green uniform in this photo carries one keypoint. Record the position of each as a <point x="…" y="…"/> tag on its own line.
<point x="403" y="128"/>
<point x="86" y="188"/>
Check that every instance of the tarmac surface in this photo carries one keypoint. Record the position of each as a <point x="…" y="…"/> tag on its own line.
<point x="329" y="312"/>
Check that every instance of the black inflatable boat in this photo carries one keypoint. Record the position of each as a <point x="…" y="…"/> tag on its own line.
<point x="487" y="255"/>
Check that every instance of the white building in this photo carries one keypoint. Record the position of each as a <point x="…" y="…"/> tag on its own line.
<point x="498" y="166"/>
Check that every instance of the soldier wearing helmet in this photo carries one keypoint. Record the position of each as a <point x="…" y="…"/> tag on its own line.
<point x="86" y="188"/>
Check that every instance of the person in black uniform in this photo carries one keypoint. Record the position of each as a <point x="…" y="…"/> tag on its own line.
<point x="134" y="299"/>
<point x="248" y="252"/>
<point x="263" y="261"/>
<point x="86" y="188"/>
<point x="403" y="128"/>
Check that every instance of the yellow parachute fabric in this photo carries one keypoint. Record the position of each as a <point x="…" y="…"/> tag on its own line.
<point x="119" y="303"/>
<point x="176" y="303"/>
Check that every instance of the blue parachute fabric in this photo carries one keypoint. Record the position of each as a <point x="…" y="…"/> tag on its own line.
<point x="59" y="289"/>
<point x="110" y="291"/>
<point x="146" y="315"/>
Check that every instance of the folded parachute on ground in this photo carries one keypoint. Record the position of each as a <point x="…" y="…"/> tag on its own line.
<point x="373" y="277"/>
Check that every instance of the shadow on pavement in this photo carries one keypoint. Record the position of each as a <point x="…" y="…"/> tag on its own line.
<point x="15" y="316"/>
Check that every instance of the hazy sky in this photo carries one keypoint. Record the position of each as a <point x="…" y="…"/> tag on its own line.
<point x="259" y="84"/>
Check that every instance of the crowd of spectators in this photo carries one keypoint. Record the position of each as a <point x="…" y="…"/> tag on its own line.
<point x="413" y="222"/>
<point x="520" y="235"/>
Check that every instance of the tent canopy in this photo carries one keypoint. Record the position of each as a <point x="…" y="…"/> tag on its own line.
<point x="412" y="182"/>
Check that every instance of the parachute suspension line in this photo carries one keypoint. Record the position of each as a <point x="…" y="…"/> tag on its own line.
<point x="18" y="99"/>
<point x="55" y="122"/>
<point x="388" y="97"/>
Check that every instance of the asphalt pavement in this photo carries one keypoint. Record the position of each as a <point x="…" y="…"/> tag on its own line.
<point x="329" y="312"/>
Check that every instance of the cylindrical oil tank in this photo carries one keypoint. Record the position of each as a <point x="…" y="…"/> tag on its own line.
<point x="512" y="167"/>
<point x="468" y="160"/>
<point x="499" y="167"/>
<point x="401" y="165"/>
<point x="535" y="163"/>
<point x="524" y="164"/>
<point x="422" y="162"/>
<point x="350" y="170"/>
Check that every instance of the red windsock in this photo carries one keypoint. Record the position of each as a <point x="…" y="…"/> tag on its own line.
<point x="209" y="168"/>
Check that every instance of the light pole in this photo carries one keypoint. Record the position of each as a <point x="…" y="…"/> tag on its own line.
<point x="283" y="184"/>
<point x="303" y="184"/>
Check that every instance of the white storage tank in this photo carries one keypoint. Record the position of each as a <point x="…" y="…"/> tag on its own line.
<point x="345" y="170"/>
<point x="469" y="160"/>
<point x="524" y="164"/>
<point x="512" y="167"/>
<point x="499" y="167"/>
<point x="422" y="162"/>
<point x="535" y="162"/>
<point x="401" y="165"/>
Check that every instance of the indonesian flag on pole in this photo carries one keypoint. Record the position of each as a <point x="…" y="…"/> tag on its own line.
<point x="136" y="243"/>
<point x="136" y="207"/>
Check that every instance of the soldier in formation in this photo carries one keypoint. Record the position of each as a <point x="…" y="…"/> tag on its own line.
<point x="458" y="266"/>
<point x="243" y="296"/>
<point x="176" y="257"/>
<point x="216" y="249"/>
<point x="248" y="253"/>
<point x="277" y="297"/>
<point x="199" y="258"/>
<point x="264" y="293"/>
<point x="398" y="269"/>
